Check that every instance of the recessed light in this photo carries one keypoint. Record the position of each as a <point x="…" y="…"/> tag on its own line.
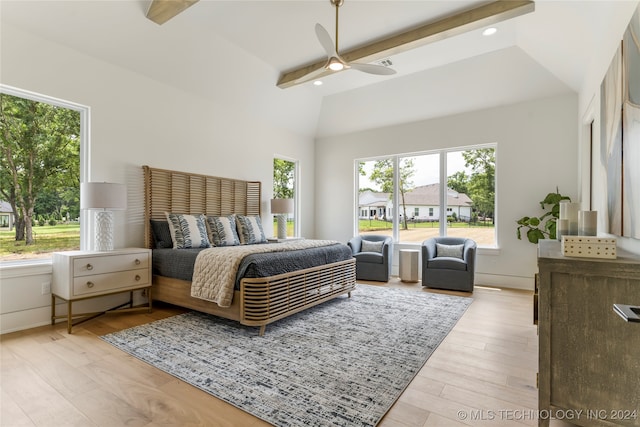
<point x="317" y="83"/>
<point x="490" y="31"/>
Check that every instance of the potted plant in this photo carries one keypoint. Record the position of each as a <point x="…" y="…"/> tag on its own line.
<point x="544" y="226"/>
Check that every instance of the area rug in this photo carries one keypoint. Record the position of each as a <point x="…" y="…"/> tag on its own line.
<point x="342" y="363"/>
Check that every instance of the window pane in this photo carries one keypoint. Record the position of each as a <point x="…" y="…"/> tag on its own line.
<point x="284" y="187"/>
<point x="471" y="195"/>
<point x="419" y="199"/>
<point x="375" y="195"/>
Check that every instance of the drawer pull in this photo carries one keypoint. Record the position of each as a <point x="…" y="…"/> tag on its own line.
<point x="89" y="267"/>
<point x="138" y="277"/>
<point x="90" y="284"/>
<point x="137" y="261"/>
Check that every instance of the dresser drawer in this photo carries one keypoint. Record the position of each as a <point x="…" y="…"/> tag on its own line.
<point x="91" y="266"/>
<point x="102" y="283"/>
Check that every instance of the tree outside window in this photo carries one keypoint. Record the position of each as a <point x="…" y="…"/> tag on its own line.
<point x="284" y="187"/>
<point x="39" y="177"/>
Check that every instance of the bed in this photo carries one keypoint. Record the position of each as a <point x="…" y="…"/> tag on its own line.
<point x="257" y="301"/>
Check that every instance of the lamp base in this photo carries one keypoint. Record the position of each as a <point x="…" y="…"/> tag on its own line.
<point x="104" y="231"/>
<point x="282" y="226"/>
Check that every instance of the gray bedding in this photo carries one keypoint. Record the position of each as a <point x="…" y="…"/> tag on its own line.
<point x="178" y="263"/>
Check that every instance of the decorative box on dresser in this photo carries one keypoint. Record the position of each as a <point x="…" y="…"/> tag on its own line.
<point x="81" y="275"/>
<point x="589" y="357"/>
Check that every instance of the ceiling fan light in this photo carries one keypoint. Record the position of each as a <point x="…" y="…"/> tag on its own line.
<point x="335" y="64"/>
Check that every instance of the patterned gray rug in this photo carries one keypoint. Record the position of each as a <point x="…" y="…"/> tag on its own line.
<point x="342" y="363"/>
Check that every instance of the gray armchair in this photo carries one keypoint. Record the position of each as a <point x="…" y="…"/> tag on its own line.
<point x="453" y="268"/>
<point x="373" y="258"/>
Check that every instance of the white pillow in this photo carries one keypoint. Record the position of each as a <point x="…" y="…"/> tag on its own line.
<point x="451" y="251"/>
<point x="369" y="246"/>
<point x="223" y="230"/>
<point x="188" y="231"/>
<point x="250" y="230"/>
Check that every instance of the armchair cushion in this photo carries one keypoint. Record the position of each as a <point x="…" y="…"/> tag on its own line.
<point x="370" y="257"/>
<point x="451" y="263"/>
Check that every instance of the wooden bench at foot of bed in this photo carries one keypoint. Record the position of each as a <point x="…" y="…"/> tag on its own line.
<point x="264" y="300"/>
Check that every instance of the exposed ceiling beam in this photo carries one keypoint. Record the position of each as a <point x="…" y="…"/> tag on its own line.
<point x="160" y="11"/>
<point x="429" y="32"/>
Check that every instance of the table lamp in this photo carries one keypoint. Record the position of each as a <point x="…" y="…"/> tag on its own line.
<point x="280" y="208"/>
<point x="103" y="197"/>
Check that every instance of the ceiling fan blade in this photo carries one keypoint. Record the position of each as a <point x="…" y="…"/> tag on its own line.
<point x="160" y="11"/>
<point x="372" y="69"/>
<point x="325" y="40"/>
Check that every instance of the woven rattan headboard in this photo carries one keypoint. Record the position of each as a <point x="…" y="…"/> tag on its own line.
<point x="190" y="193"/>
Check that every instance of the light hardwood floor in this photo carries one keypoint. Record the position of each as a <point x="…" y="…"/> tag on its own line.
<point x="483" y="373"/>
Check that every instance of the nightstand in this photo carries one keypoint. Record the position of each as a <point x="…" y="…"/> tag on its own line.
<point x="81" y="275"/>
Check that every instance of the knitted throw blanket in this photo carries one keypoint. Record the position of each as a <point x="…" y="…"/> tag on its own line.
<point x="214" y="273"/>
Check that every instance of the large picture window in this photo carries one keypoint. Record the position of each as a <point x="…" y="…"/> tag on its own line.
<point x="441" y="193"/>
<point x="41" y="140"/>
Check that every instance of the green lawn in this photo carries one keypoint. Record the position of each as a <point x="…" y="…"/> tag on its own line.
<point x="47" y="238"/>
<point x="375" y="224"/>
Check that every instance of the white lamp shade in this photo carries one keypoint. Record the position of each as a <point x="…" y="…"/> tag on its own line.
<point x="103" y="195"/>
<point x="281" y="206"/>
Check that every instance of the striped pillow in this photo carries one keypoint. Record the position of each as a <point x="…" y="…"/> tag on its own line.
<point x="222" y="230"/>
<point x="250" y="230"/>
<point x="188" y="231"/>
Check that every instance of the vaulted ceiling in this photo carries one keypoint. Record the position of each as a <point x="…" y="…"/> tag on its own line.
<point x="241" y="48"/>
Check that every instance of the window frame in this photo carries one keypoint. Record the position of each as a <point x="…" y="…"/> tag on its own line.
<point x="296" y="192"/>
<point x="85" y="120"/>
<point x="443" y="208"/>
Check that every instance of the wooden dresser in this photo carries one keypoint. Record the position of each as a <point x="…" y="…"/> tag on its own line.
<point x="589" y="357"/>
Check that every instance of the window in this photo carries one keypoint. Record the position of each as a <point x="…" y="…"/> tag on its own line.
<point x="41" y="164"/>
<point x="285" y="174"/>
<point x="435" y="194"/>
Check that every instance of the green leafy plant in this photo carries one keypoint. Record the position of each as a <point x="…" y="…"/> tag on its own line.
<point x="543" y="226"/>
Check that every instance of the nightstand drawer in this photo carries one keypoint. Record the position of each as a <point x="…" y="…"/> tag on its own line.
<point x="86" y="266"/>
<point x="101" y="283"/>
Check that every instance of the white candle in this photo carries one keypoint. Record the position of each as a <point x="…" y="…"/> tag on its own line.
<point x="588" y="223"/>
<point x="569" y="211"/>
<point x="562" y="228"/>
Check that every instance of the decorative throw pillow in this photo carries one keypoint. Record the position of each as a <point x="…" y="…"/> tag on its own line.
<point x="161" y="234"/>
<point x="452" y="251"/>
<point x="223" y="230"/>
<point x="369" y="246"/>
<point x="188" y="231"/>
<point x="250" y="230"/>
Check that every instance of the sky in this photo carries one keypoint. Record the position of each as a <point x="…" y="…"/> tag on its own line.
<point x="427" y="169"/>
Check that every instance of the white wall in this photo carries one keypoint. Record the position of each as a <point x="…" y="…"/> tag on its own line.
<point x="537" y="152"/>
<point x="137" y="121"/>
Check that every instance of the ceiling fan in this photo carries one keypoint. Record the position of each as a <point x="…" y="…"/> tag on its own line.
<point x="335" y="62"/>
<point x="428" y="32"/>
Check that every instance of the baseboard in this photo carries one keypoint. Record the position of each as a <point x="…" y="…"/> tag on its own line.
<point x="505" y="281"/>
<point x="25" y="319"/>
